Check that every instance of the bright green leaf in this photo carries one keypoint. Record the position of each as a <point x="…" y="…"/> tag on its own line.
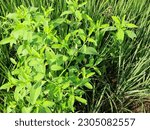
<point x="83" y="72"/>
<point x="116" y="20"/>
<point x="27" y="109"/>
<point x="6" y="86"/>
<point x="13" y="61"/>
<point x="87" y="17"/>
<point x="56" y="67"/>
<point x="97" y="70"/>
<point x="39" y="76"/>
<point x="48" y="104"/>
<point x="82" y="100"/>
<point x="120" y="35"/>
<point x="71" y="101"/>
<point x="78" y="15"/>
<point x="7" y="40"/>
<point x="35" y="92"/>
<point x="58" y="21"/>
<point x="98" y="61"/>
<point x="88" y="85"/>
<point x="90" y="74"/>
<point x="57" y="46"/>
<point x="130" y="25"/>
<point x="89" y="50"/>
<point x="66" y="13"/>
<point x="130" y="34"/>
<point x="82" y="4"/>
<point x="66" y="85"/>
<point x="92" y="41"/>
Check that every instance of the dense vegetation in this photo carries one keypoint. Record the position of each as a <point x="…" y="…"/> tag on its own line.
<point x="74" y="56"/>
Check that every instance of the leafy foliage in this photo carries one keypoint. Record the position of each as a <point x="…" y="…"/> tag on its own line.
<point x="75" y="56"/>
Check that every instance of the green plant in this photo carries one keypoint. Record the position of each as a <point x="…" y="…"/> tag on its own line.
<point x="61" y="58"/>
<point x="47" y="76"/>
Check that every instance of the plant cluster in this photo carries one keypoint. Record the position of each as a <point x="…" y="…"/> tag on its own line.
<point x="60" y="64"/>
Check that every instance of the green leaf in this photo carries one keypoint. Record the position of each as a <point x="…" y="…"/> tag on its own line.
<point x="120" y="35"/>
<point x="71" y="51"/>
<point x="66" y="13"/>
<point x="116" y="20"/>
<point x="98" y="61"/>
<point x="27" y="109"/>
<point x="57" y="46"/>
<point x="82" y="100"/>
<point x="87" y="17"/>
<point x="58" y="21"/>
<point x="66" y="85"/>
<point x="130" y="25"/>
<point x="20" y="92"/>
<point x="88" y="85"/>
<point x="7" y="40"/>
<point x="78" y="15"/>
<point x="48" y="104"/>
<point x="6" y="86"/>
<point x="39" y="76"/>
<point x="13" y="61"/>
<point x="82" y="4"/>
<point x="64" y="58"/>
<point x="130" y="34"/>
<point x="20" y="49"/>
<point x="90" y="74"/>
<point x="123" y="20"/>
<point x="82" y="35"/>
<point x="71" y="101"/>
<point x="67" y="37"/>
<point x="109" y="29"/>
<point x="88" y="50"/>
<point x="12" y="80"/>
<point x="104" y="26"/>
<point x="35" y="53"/>
<point x="56" y="67"/>
<point x="12" y="16"/>
<point x="83" y="72"/>
<point x="50" y="55"/>
<point x="92" y="41"/>
<point x="35" y="92"/>
<point x="97" y="70"/>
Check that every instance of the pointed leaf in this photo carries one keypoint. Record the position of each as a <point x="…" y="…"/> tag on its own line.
<point x="90" y="74"/>
<point x="82" y="100"/>
<point x="130" y="25"/>
<point x="97" y="70"/>
<point x="116" y="20"/>
<point x="88" y="85"/>
<point x="130" y="34"/>
<point x="6" y="86"/>
<point x="7" y="40"/>
<point x="82" y="4"/>
<point x="35" y="92"/>
<point x="58" y="21"/>
<point x="13" y="61"/>
<point x="66" y="13"/>
<point x="89" y="50"/>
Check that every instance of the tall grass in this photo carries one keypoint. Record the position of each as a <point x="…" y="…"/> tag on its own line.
<point x="133" y="81"/>
<point x="119" y="86"/>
